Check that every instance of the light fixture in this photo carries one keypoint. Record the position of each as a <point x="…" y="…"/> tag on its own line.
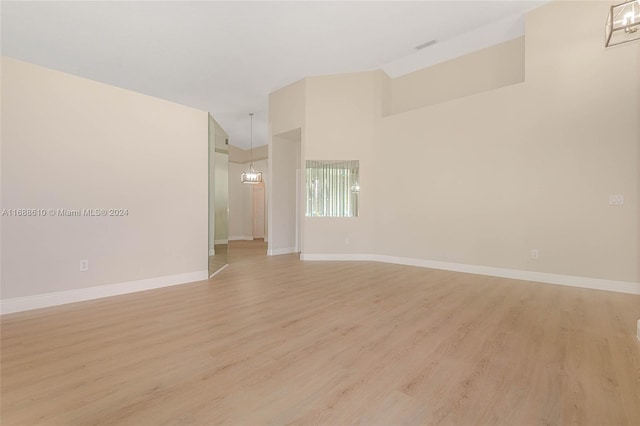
<point x="251" y="176"/>
<point x="623" y="23"/>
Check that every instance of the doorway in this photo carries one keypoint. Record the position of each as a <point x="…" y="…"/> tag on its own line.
<point x="286" y="231"/>
<point x="258" y="211"/>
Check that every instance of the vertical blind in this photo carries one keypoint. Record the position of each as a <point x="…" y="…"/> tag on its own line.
<point x="332" y="188"/>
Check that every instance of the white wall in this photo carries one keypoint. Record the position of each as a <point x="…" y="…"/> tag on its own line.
<point x="285" y="160"/>
<point x="222" y="197"/>
<point x="287" y="109"/>
<point x="236" y="202"/>
<point x="529" y="166"/>
<point x="71" y="143"/>
<point x="241" y="200"/>
<point x="286" y="123"/>
<point x="482" y="180"/>
<point x="218" y="186"/>
<point x="247" y="213"/>
<point x="638" y="154"/>
<point x="487" y="69"/>
<point x="212" y="185"/>
<point x="340" y="113"/>
<point x="263" y="166"/>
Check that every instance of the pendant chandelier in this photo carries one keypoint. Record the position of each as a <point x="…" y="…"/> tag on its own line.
<point x="623" y="23"/>
<point x="251" y="176"/>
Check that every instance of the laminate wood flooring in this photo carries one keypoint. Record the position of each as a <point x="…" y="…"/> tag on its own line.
<point x="273" y="340"/>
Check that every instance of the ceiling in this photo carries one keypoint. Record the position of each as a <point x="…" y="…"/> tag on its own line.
<point x="226" y="57"/>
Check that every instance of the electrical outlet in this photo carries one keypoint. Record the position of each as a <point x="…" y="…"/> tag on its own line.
<point x="616" y="200"/>
<point x="347" y="241"/>
<point x="535" y="254"/>
<point x="84" y="265"/>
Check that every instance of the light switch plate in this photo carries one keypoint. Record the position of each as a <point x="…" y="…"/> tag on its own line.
<point x="616" y="200"/>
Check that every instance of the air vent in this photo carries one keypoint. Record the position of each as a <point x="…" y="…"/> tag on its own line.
<point x="427" y="44"/>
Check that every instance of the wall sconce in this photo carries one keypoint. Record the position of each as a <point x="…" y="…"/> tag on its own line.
<point x="623" y="23"/>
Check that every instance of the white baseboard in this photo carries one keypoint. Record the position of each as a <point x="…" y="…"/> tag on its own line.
<point x="212" y="252"/>
<point x="338" y="257"/>
<point x="221" y="241"/>
<point x="38" y="301"/>
<point x="543" y="277"/>
<point x="277" y="252"/>
<point x="242" y="238"/>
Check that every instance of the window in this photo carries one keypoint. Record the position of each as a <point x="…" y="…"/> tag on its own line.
<point x="333" y="188"/>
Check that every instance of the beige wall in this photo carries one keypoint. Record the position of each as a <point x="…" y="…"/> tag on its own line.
<point x="263" y="166"/>
<point x="524" y="167"/>
<point x="241" y="195"/>
<point x="221" y="171"/>
<point x="239" y="155"/>
<point x="340" y="113"/>
<point x="236" y="201"/>
<point x="219" y="185"/>
<point x="487" y="69"/>
<point x="241" y="199"/>
<point x="286" y="151"/>
<point x="283" y="165"/>
<point x="287" y="108"/>
<point x="484" y="179"/>
<point x="638" y="151"/>
<point x="72" y="143"/>
<point x="212" y="184"/>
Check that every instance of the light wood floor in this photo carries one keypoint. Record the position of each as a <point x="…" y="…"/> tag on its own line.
<point x="272" y="340"/>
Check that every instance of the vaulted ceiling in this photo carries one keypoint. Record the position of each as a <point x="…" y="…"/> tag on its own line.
<point x="226" y="57"/>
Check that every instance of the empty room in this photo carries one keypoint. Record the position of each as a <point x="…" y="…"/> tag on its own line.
<point x="320" y="213"/>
